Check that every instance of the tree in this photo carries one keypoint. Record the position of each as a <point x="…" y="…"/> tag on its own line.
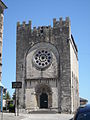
<point x="14" y="96"/>
<point x="8" y="98"/>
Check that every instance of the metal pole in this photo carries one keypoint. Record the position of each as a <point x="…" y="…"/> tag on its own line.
<point x="18" y="103"/>
<point x="6" y="101"/>
<point x="15" y="103"/>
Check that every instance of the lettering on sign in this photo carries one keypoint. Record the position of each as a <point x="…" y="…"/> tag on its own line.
<point x="16" y="84"/>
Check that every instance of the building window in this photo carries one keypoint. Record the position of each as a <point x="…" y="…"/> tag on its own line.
<point x="42" y="58"/>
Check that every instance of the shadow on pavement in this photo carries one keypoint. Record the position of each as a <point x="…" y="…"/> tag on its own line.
<point x="42" y="112"/>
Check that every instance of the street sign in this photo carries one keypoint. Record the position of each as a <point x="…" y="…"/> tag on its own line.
<point x="16" y="84"/>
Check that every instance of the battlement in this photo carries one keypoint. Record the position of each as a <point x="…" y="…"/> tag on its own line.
<point x="64" y="26"/>
<point x="24" y="24"/>
<point x="56" y="23"/>
<point x="41" y="29"/>
<point x="61" y="22"/>
<point x="34" y="30"/>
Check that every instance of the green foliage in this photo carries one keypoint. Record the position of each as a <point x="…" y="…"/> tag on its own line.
<point x="11" y="108"/>
<point x="11" y="105"/>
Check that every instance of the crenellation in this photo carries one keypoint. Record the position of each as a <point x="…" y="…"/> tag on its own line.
<point x="49" y="27"/>
<point x="54" y="22"/>
<point x="30" y="24"/>
<point x="41" y="30"/>
<point x="18" y="24"/>
<point x="34" y="28"/>
<point x="24" y="23"/>
<point x="60" y="21"/>
<point x="67" y="19"/>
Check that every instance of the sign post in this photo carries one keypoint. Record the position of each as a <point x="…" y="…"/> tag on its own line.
<point x="16" y="86"/>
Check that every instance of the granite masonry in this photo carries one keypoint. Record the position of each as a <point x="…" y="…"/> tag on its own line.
<point x="2" y="7"/>
<point x="47" y="66"/>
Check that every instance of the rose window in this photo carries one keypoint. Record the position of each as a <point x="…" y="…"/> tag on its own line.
<point x="42" y="58"/>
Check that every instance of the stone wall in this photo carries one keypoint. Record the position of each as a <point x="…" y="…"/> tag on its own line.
<point x="2" y="7"/>
<point x="31" y="95"/>
<point x="74" y="76"/>
<point x="1" y="41"/>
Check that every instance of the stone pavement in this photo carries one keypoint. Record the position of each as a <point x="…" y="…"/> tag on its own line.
<point x="11" y="116"/>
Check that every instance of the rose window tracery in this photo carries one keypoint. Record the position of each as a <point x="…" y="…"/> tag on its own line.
<point x="42" y="58"/>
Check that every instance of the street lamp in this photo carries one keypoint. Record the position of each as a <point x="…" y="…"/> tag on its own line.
<point x="1" y="96"/>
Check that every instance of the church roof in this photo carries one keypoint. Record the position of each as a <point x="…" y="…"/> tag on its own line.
<point x="2" y="5"/>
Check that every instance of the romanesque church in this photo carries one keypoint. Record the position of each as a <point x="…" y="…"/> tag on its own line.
<point x="47" y="66"/>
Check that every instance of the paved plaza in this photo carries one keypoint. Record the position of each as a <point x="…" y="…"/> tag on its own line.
<point x="11" y="116"/>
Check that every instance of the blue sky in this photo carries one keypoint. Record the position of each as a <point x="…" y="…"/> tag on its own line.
<point x="42" y="12"/>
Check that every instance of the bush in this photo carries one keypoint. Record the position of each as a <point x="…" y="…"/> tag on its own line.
<point x="12" y="108"/>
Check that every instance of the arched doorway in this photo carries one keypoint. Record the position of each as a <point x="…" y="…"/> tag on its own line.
<point x="43" y="100"/>
<point x="43" y="95"/>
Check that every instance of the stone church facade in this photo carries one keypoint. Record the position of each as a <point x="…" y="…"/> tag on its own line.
<point x="47" y="66"/>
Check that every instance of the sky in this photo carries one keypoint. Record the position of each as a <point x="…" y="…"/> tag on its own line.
<point x="42" y="12"/>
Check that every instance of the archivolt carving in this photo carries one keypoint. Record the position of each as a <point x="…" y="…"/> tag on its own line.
<point x="43" y="88"/>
